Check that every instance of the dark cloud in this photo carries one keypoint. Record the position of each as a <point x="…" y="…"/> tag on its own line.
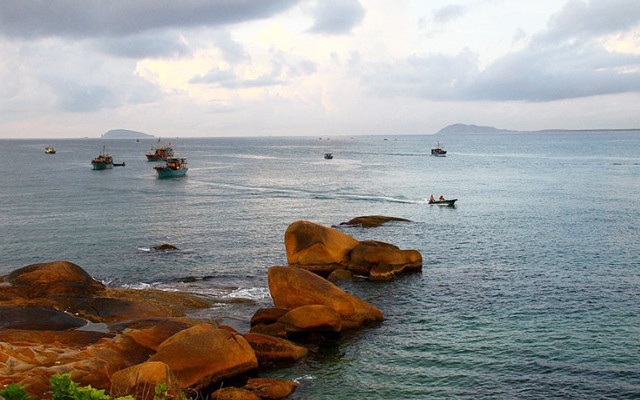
<point x="72" y="18"/>
<point x="336" y="17"/>
<point x="147" y="44"/>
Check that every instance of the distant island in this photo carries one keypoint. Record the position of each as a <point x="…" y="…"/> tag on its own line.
<point x="462" y="128"/>
<point x="125" y="134"/>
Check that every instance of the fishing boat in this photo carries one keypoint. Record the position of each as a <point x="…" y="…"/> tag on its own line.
<point x="438" y="151"/>
<point x="449" y="203"/>
<point x="102" y="161"/>
<point x="49" y="150"/>
<point x="174" y="167"/>
<point x="328" y="156"/>
<point x="160" y="152"/>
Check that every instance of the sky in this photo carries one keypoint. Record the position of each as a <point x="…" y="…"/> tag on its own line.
<point x="71" y="68"/>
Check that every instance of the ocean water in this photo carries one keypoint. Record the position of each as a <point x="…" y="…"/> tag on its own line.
<point x="530" y="287"/>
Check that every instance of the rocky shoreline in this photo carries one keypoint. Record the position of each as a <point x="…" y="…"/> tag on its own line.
<point x="56" y="318"/>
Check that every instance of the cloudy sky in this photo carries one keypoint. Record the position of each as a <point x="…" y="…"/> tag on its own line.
<point x="71" y="68"/>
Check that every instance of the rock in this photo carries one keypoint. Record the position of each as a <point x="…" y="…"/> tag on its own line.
<point x="233" y="393"/>
<point x="323" y="250"/>
<point x="140" y="381"/>
<point x="311" y="318"/>
<point x="37" y="319"/>
<point x="153" y="336"/>
<point x="46" y="279"/>
<point x="293" y="287"/>
<point x="267" y="316"/>
<point x="340" y="275"/>
<point x="308" y="243"/>
<point x="202" y="355"/>
<point x="273" y="350"/>
<point x="165" y="247"/>
<point x="382" y="261"/>
<point x="271" y="389"/>
<point x="372" y="221"/>
<point x="73" y="338"/>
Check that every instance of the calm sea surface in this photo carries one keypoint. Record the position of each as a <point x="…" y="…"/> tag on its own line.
<point x="530" y="287"/>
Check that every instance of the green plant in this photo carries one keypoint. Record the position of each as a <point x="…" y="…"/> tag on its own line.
<point x="15" y="391"/>
<point x="62" y="387"/>
<point x="161" y="391"/>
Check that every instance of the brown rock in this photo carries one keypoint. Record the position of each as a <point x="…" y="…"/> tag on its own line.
<point x="340" y="275"/>
<point x="233" y="393"/>
<point x="292" y="287"/>
<point x="153" y="336"/>
<point x="71" y="338"/>
<point x="267" y="315"/>
<point x="372" y="221"/>
<point x="273" y="350"/>
<point x="58" y="277"/>
<point x="141" y="380"/>
<point x="37" y="318"/>
<point x="203" y="354"/>
<point x="312" y="318"/>
<point x="271" y="389"/>
<point x="384" y="259"/>
<point x="165" y="247"/>
<point x="308" y="243"/>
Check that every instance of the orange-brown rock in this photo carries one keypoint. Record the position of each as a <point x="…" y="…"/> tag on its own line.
<point x="45" y="279"/>
<point x="271" y="389"/>
<point x="267" y="316"/>
<point x="340" y="275"/>
<point x="233" y="393"/>
<point x="312" y="318"/>
<point x="293" y="287"/>
<point x="153" y="336"/>
<point x="202" y="355"/>
<point x="323" y="250"/>
<point x="273" y="350"/>
<point x="308" y="243"/>
<point x="140" y="381"/>
<point x="372" y="221"/>
<point x="72" y="338"/>
<point x="382" y="261"/>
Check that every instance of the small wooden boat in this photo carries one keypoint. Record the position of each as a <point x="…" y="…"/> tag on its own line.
<point x="449" y="203"/>
<point x="49" y="150"/>
<point x="328" y="156"/>
<point x="438" y="151"/>
<point x="174" y="167"/>
<point x="102" y="161"/>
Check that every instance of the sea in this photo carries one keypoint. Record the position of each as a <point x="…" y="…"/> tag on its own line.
<point x="530" y="287"/>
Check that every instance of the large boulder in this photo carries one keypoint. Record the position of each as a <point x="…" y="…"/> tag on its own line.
<point x="37" y="319"/>
<point x="293" y="287"/>
<point x="141" y="380"/>
<point x="202" y="355"/>
<point x="308" y="243"/>
<point x="324" y="250"/>
<point x="311" y="318"/>
<point x="52" y="278"/>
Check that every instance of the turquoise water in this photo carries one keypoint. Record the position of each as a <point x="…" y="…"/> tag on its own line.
<point x="530" y="287"/>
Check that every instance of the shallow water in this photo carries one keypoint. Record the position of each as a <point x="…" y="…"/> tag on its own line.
<point x="529" y="288"/>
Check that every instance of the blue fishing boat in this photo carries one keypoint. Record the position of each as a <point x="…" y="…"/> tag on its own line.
<point x="102" y="161"/>
<point x="173" y="168"/>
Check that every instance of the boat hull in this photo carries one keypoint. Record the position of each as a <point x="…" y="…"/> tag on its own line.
<point x="101" y="165"/>
<point x="171" y="173"/>
<point x="446" y="203"/>
<point x="438" y="153"/>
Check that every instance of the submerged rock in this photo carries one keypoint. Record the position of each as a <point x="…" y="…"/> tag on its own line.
<point x="165" y="247"/>
<point x="271" y="388"/>
<point x="372" y="221"/>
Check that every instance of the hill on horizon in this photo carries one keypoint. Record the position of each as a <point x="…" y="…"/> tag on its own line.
<point x="463" y="128"/>
<point x="125" y="134"/>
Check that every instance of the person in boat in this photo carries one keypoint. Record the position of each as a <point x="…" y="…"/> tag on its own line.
<point x="432" y="199"/>
<point x="441" y="198"/>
